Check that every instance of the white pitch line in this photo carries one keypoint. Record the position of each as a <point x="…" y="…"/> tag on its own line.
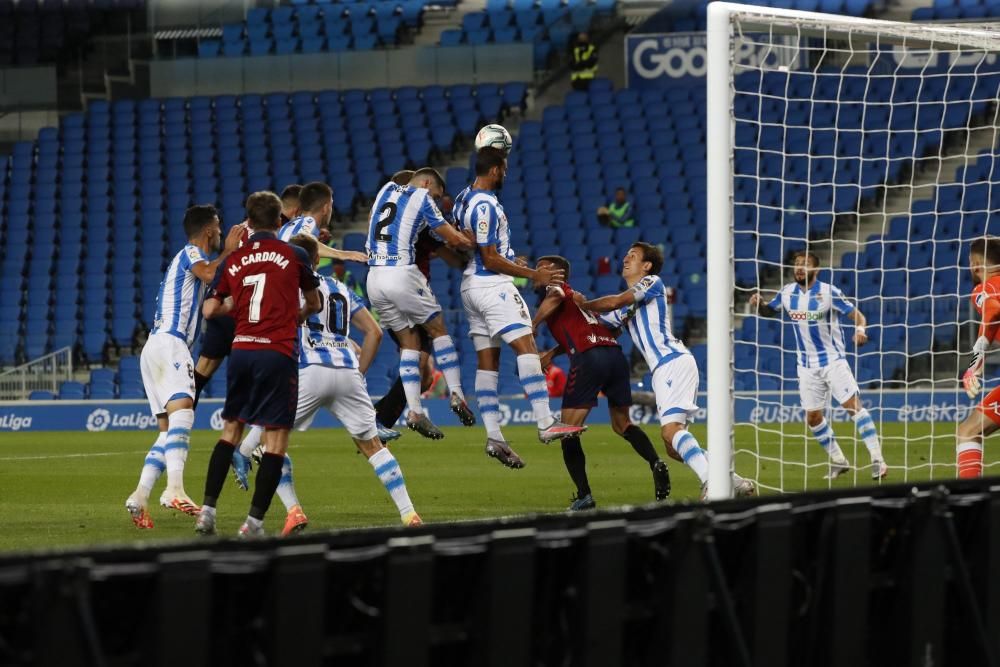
<point x="70" y="456"/>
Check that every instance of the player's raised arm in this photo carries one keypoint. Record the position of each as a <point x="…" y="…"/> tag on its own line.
<point x="366" y="324"/>
<point x="546" y="357"/>
<point x="205" y="270"/>
<point x="606" y="304"/>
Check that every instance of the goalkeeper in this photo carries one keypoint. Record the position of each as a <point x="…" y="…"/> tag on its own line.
<point x="984" y="261"/>
<point x="813" y="306"/>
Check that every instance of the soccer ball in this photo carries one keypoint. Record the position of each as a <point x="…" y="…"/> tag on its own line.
<point x="494" y="136"/>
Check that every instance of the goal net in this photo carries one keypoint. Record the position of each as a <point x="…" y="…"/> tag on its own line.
<point x="872" y="145"/>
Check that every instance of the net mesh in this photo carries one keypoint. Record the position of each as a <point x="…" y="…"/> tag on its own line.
<point x="875" y="148"/>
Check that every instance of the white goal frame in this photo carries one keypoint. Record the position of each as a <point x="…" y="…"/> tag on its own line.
<point x="720" y="139"/>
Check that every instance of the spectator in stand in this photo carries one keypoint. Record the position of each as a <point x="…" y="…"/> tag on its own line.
<point x="618" y="213"/>
<point x="584" y="62"/>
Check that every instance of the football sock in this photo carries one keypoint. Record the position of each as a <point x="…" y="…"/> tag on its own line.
<point x="529" y="368"/>
<point x="218" y="470"/>
<point x="179" y="425"/>
<point x="489" y="404"/>
<point x="268" y="476"/>
<point x="970" y="460"/>
<point x="390" y="407"/>
<point x="641" y="443"/>
<point x="409" y="373"/>
<point x="388" y="472"/>
<point x="692" y="454"/>
<point x="251" y="440"/>
<point x="199" y="383"/>
<point x="576" y="465"/>
<point x="446" y="359"/>
<point x="866" y="429"/>
<point x="286" y="488"/>
<point x="153" y="467"/>
<point x="827" y="440"/>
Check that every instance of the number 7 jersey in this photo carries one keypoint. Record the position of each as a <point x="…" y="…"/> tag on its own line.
<point x="324" y="337"/>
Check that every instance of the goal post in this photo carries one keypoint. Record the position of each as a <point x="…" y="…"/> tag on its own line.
<point x="805" y="195"/>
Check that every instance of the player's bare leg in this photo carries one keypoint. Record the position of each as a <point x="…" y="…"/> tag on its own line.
<point x="969" y="447"/>
<point x="622" y="424"/>
<point x="446" y="358"/>
<point x="487" y="381"/>
<point x="824" y="434"/>
<point x="389" y="473"/>
<point x="529" y="368"/>
<point x="866" y="430"/>
<point x="409" y="373"/>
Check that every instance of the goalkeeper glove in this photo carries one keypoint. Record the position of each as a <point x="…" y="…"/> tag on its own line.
<point x="970" y="380"/>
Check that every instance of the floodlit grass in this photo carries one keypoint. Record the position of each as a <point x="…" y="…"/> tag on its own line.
<point x="62" y="489"/>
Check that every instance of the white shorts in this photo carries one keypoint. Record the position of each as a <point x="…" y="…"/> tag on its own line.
<point x="167" y="371"/>
<point x="401" y="296"/>
<point x="343" y="392"/>
<point x="496" y="313"/>
<point x="816" y="384"/>
<point x="675" y="384"/>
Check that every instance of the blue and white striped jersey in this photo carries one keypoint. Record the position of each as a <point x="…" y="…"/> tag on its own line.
<point x="400" y="213"/>
<point x="304" y="224"/>
<point x="818" y="335"/>
<point x="648" y="322"/>
<point x="178" y="305"/>
<point x="323" y="338"/>
<point x="480" y="212"/>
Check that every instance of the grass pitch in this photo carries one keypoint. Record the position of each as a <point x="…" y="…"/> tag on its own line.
<point x="61" y="489"/>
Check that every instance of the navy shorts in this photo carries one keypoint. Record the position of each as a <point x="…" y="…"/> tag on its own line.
<point x="262" y="388"/>
<point x="602" y="368"/>
<point x="217" y="341"/>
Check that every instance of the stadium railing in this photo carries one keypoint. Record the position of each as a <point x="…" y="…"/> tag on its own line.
<point x="898" y="575"/>
<point x="45" y="374"/>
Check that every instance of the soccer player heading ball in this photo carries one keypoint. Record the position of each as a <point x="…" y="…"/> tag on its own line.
<point x="984" y="260"/>
<point x="813" y="305"/>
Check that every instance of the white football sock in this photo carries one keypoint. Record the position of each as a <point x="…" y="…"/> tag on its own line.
<point x="828" y="441"/>
<point x="286" y="487"/>
<point x="692" y="453"/>
<point x="153" y="467"/>
<point x="409" y="373"/>
<point x="866" y="429"/>
<point x="489" y="404"/>
<point x="179" y="425"/>
<point x="529" y="368"/>
<point x="387" y="469"/>
<point x="446" y="359"/>
<point x="251" y="440"/>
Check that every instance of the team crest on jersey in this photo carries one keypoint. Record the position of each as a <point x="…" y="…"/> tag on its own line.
<point x="256" y="244"/>
<point x="980" y="299"/>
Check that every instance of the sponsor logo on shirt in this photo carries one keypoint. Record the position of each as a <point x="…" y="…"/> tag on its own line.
<point x="808" y="315"/>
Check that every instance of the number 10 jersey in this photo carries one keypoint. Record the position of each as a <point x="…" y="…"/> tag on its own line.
<point x="324" y="337"/>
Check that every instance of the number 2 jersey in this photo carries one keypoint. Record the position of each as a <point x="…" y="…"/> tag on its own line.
<point x="400" y="213"/>
<point x="264" y="278"/>
<point x="324" y="338"/>
<point x="576" y="331"/>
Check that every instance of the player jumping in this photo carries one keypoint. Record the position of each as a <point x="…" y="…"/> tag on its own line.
<point x="497" y="312"/>
<point x="813" y="306"/>
<point x="166" y="365"/>
<point x="984" y="261"/>
<point x="596" y="365"/>
<point x="401" y="295"/>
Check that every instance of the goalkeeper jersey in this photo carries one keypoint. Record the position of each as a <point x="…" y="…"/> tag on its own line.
<point x="813" y="312"/>
<point x="985" y="290"/>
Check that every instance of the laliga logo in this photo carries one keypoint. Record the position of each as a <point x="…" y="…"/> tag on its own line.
<point x="216" y="420"/>
<point x="505" y="414"/>
<point x="98" y="420"/>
